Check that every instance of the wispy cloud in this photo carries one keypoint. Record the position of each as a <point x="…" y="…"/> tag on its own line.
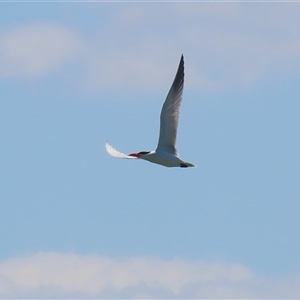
<point x="226" y="44"/>
<point x="45" y="275"/>
<point x="36" y="49"/>
<point x="139" y="45"/>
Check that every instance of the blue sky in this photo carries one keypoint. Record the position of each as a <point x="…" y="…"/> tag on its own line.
<point x="77" y="223"/>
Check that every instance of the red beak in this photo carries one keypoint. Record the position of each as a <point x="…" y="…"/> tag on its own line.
<point x="134" y="155"/>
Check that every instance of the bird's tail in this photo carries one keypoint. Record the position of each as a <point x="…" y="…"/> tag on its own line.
<point x="185" y="164"/>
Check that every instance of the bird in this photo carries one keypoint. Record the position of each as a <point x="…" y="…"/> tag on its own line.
<point x="166" y="153"/>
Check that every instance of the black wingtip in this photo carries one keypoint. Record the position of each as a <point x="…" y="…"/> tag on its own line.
<point x="181" y="63"/>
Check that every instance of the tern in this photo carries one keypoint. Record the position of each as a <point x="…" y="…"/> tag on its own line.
<point x="166" y="153"/>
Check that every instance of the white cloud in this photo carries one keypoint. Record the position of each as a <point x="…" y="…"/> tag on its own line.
<point x="56" y="275"/>
<point x="225" y="44"/>
<point x="36" y="49"/>
<point x="138" y="46"/>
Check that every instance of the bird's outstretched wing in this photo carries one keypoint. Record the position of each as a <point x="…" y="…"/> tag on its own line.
<point x="113" y="152"/>
<point x="170" y="113"/>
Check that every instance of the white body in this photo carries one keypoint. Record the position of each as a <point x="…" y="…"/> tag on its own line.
<point x="166" y="159"/>
<point x="166" y="153"/>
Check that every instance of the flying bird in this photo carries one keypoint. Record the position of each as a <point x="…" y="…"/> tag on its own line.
<point x="166" y="153"/>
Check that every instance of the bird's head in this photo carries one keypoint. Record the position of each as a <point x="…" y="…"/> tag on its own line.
<point x="139" y="154"/>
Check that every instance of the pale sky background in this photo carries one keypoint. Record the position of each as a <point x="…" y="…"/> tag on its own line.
<point x="77" y="223"/>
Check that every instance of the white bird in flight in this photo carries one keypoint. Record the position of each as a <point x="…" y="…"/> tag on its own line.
<point x="166" y="153"/>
